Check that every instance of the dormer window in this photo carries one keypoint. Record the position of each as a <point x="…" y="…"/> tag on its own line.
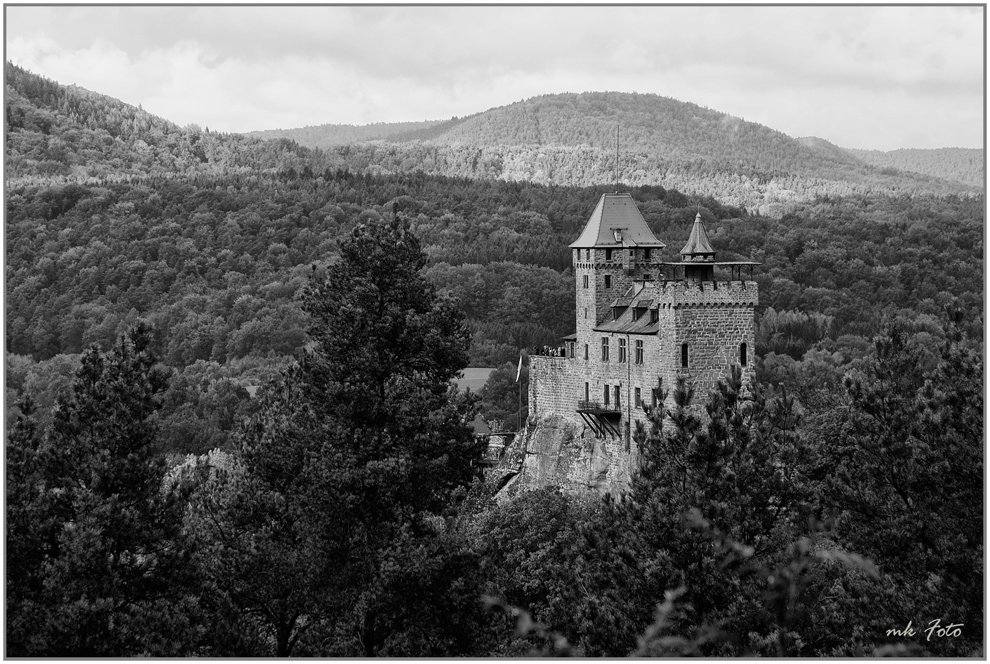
<point x="615" y="313"/>
<point x="654" y="315"/>
<point x="637" y="313"/>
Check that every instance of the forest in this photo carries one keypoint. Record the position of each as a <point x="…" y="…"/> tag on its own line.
<point x="231" y="429"/>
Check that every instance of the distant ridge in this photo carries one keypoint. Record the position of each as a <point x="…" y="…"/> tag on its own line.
<point x="966" y="165"/>
<point x="568" y="139"/>
<point x="565" y="139"/>
<point x="328" y="135"/>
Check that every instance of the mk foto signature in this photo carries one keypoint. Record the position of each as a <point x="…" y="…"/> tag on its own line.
<point x="934" y="629"/>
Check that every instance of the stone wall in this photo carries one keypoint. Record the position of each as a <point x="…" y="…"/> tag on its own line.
<point x="713" y="318"/>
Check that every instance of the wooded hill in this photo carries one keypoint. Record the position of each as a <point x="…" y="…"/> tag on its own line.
<point x="114" y="215"/>
<point x="569" y="139"/>
<point x="966" y="165"/>
<point x="154" y="273"/>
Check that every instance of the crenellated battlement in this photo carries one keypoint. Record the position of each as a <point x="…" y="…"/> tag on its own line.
<point x="642" y="322"/>
<point x="699" y="293"/>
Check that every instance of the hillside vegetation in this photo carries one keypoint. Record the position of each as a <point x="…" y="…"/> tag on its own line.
<point x="569" y="139"/>
<point x="966" y="165"/>
<point x="322" y="136"/>
<point x="232" y="430"/>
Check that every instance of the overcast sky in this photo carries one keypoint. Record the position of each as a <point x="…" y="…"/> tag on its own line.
<point x="863" y="77"/>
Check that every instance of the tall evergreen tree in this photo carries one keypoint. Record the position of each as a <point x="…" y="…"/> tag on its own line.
<point x="354" y="452"/>
<point x="100" y="563"/>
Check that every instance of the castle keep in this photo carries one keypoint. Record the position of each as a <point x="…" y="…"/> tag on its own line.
<point x="641" y="321"/>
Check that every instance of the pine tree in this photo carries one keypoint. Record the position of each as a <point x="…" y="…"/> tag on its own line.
<point x="103" y="563"/>
<point x="354" y="449"/>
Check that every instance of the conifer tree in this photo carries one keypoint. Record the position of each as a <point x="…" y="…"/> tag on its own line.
<point x="353" y="452"/>
<point x="100" y="564"/>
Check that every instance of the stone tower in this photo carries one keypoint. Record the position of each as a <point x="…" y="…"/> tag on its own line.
<point x="640" y="321"/>
<point x="707" y="325"/>
<point x="615" y="250"/>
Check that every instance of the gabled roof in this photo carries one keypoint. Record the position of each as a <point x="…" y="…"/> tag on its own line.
<point x="616" y="222"/>
<point x="698" y="246"/>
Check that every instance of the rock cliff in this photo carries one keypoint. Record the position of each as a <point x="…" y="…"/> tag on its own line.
<point x="556" y="451"/>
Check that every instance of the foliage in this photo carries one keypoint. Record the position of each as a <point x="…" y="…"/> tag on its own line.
<point x="96" y="564"/>
<point x="503" y="398"/>
<point x="903" y="481"/>
<point x="347" y="456"/>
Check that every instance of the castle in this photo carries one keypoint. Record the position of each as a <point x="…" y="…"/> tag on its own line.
<point x="641" y="322"/>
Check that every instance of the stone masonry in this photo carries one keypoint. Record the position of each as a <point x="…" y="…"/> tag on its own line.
<point x="637" y="327"/>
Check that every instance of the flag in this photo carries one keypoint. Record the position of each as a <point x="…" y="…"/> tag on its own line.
<point x="519" y="370"/>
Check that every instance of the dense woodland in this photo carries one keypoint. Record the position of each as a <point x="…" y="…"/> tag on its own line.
<point x="959" y="164"/>
<point x="157" y="275"/>
<point x="569" y="139"/>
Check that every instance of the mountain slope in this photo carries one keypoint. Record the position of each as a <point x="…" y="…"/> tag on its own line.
<point x="59" y="132"/>
<point x="327" y="135"/>
<point x="964" y="165"/>
<point x="569" y="139"/>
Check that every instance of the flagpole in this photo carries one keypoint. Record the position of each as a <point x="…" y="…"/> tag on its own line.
<point x="519" y="395"/>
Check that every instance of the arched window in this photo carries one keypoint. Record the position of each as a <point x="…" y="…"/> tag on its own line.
<point x="684" y="356"/>
<point x="742" y="354"/>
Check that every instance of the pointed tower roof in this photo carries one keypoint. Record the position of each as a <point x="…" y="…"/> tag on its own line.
<point x="698" y="248"/>
<point x="616" y="222"/>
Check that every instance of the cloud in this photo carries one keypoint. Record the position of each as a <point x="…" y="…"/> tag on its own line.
<point x="827" y="71"/>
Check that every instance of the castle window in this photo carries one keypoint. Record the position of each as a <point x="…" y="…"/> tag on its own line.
<point x="577" y="254"/>
<point x="604" y="349"/>
<point x="586" y="312"/>
<point x="639" y="351"/>
<point x="617" y="397"/>
<point x="639" y="398"/>
<point x="622" y="350"/>
<point x="606" y="395"/>
<point x="654" y="315"/>
<point x="632" y="254"/>
<point x="647" y="277"/>
<point x="655" y="396"/>
<point x="587" y="254"/>
<point x="585" y="280"/>
<point x="742" y="353"/>
<point x="608" y="254"/>
<point x="586" y="351"/>
<point x="587" y="394"/>
<point x="608" y="281"/>
<point x="646" y="254"/>
<point x="684" y="356"/>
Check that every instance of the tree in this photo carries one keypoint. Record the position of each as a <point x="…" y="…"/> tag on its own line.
<point x="501" y="398"/>
<point x="352" y="449"/>
<point x="100" y="564"/>
<point x="902" y="479"/>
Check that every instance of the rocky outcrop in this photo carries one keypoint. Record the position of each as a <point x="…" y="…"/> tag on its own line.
<point x="556" y="451"/>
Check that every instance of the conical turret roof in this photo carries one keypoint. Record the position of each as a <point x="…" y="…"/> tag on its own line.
<point x="616" y="222"/>
<point x="698" y="248"/>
